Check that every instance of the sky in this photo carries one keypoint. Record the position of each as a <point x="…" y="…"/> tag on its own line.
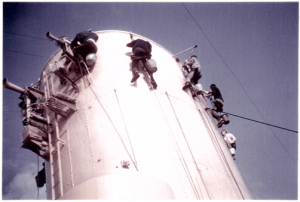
<point x="249" y="50"/>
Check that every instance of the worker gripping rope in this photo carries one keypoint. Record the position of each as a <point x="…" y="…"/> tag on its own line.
<point x="217" y="105"/>
<point x="193" y="69"/>
<point x="142" y="51"/>
<point x="192" y="66"/>
<point x="85" y="48"/>
<point x="81" y="50"/>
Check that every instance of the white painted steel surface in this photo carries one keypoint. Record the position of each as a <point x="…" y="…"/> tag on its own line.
<point x="173" y="146"/>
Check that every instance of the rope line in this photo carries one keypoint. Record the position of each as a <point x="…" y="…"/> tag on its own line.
<point x="199" y="171"/>
<point x="25" y="53"/>
<point x="38" y="173"/>
<point x="200" y="186"/>
<point x="184" y="51"/>
<point x="273" y="134"/>
<point x="190" y="53"/>
<point x="185" y="138"/>
<point x="217" y="145"/>
<point x="245" y="178"/>
<point x="125" y="126"/>
<point x="212" y="138"/>
<point x="24" y="35"/>
<point x="262" y="122"/>
<point x="224" y="159"/>
<point x="110" y="118"/>
<point x="243" y="117"/>
<point x="88" y="131"/>
<point x="182" y="160"/>
<point x="40" y="79"/>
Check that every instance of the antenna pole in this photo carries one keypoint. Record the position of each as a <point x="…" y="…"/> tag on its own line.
<point x="185" y="50"/>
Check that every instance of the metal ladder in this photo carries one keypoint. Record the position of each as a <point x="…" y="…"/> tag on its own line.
<point x="54" y="148"/>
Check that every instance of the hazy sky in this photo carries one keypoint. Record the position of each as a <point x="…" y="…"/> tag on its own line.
<point x="249" y="50"/>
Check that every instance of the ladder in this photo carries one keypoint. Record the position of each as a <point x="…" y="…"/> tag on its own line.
<point x="55" y="145"/>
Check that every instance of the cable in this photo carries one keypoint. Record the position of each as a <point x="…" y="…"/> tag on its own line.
<point x="246" y="179"/>
<point x="110" y="118"/>
<point x="224" y="158"/>
<point x="262" y="122"/>
<point x="235" y="78"/>
<point x="38" y="173"/>
<point x="183" y="162"/>
<point x="24" y="35"/>
<point x="25" y="53"/>
<point x="40" y="79"/>
<point x="271" y="130"/>
<point x="125" y="127"/>
<point x="217" y="145"/>
<point x="242" y="170"/>
<point x="190" y="53"/>
<point x="274" y="135"/>
<point x="187" y="142"/>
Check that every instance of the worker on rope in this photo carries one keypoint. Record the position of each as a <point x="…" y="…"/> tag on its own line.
<point x="230" y="141"/>
<point x="192" y="66"/>
<point x="85" y="48"/>
<point x="142" y="51"/>
<point x="217" y="105"/>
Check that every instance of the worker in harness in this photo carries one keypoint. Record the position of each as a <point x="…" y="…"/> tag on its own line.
<point x="192" y="66"/>
<point x="217" y="105"/>
<point x="230" y="141"/>
<point x="141" y="51"/>
<point x="85" y="48"/>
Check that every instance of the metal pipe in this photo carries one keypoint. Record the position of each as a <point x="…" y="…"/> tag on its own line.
<point x="8" y="85"/>
<point x="63" y="40"/>
<point x="185" y="50"/>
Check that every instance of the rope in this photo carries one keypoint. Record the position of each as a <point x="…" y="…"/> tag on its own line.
<point x="211" y="136"/>
<point x="109" y="117"/>
<point x="185" y="167"/>
<point x="209" y="132"/>
<point x="185" y="50"/>
<point x="191" y="52"/>
<point x="199" y="171"/>
<point x="24" y="35"/>
<point x="25" y="53"/>
<point x="39" y="80"/>
<point x="225" y="160"/>
<point x="88" y="132"/>
<point x="271" y="130"/>
<point x="38" y="173"/>
<point x="125" y="126"/>
<point x="245" y="178"/>
<point x="216" y="143"/>
<point x="185" y="138"/>
<point x="262" y="122"/>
